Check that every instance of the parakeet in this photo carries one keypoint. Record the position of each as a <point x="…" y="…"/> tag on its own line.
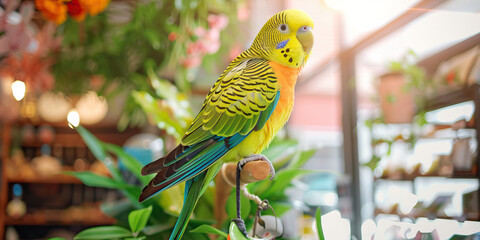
<point x="243" y="111"/>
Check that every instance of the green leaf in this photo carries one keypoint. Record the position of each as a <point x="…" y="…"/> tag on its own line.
<point x="278" y="148"/>
<point x="115" y="208"/>
<point x="56" y="238"/>
<point x="301" y="158"/>
<point x="94" y="180"/>
<point x="318" y="217"/>
<point x="391" y="98"/>
<point x="103" y="232"/>
<point x="97" y="148"/>
<point x="168" y="200"/>
<point x="131" y="163"/>
<point x="92" y="143"/>
<point x="231" y="207"/>
<point x="159" y="114"/>
<point x="209" y="229"/>
<point x="283" y="179"/>
<point x="138" y="219"/>
<point x="279" y="207"/>
<point x="373" y="163"/>
<point x="235" y="233"/>
<point x="369" y="123"/>
<point x="155" y="229"/>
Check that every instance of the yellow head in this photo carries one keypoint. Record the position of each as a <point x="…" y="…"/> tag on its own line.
<point x="286" y="38"/>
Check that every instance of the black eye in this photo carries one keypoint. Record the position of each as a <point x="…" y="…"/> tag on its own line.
<point x="283" y="28"/>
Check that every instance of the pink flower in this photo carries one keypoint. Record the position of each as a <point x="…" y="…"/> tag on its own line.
<point x="211" y="47"/>
<point x="211" y="41"/>
<point x="219" y="21"/>
<point x="212" y="35"/>
<point x="18" y="33"/>
<point x="195" y="48"/>
<point x="199" y="31"/>
<point x="243" y="13"/>
<point x="192" y="61"/>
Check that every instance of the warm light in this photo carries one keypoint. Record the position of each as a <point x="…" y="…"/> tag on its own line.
<point x="337" y="4"/>
<point x="91" y="108"/>
<point x="73" y="119"/>
<point x="18" y="90"/>
<point x="53" y="114"/>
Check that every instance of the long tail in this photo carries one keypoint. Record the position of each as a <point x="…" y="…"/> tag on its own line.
<point x="194" y="188"/>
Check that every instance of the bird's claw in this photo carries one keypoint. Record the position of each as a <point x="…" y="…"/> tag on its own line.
<point x="257" y="157"/>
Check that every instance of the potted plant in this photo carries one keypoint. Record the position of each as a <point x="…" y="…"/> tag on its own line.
<point x="402" y="90"/>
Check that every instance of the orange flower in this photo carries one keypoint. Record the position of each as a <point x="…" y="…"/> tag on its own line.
<point x="54" y="10"/>
<point x="76" y="11"/>
<point x="94" y="7"/>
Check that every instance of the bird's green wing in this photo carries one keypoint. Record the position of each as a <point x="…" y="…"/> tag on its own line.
<point x="240" y="101"/>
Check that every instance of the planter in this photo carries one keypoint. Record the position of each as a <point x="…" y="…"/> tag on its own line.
<point x="396" y="103"/>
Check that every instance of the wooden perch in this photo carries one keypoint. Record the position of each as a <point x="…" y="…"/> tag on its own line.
<point x="252" y="172"/>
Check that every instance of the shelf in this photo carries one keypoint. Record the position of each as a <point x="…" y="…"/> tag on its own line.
<point x="406" y="177"/>
<point x="450" y="98"/>
<point x="91" y="216"/>
<point x="470" y="217"/>
<point x="55" y="179"/>
<point x="431" y="63"/>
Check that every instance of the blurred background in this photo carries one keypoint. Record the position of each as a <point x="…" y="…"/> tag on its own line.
<point x="383" y="138"/>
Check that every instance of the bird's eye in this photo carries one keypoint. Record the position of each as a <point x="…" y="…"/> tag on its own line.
<point x="283" y="28"/>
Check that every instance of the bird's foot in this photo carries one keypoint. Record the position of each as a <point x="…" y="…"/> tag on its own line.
<point x="241" y="225"/>
<point x="257" y="157"/>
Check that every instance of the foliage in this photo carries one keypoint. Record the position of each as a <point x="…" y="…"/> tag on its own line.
<point x="166" y="205"/>
<point x="318" y="218"/>
<point x="416" y="79"/>
<point x="170" y="111"/>
<point x="416" y="83"/>
<point x="235" y="234"/>
<point x="130" y="45"/>
<point x="163" y="218"/>
<point x="137" y="221"/>
<point x="209" y="230"/>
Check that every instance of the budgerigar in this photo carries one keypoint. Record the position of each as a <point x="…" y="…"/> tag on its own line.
<point x="241" y="114"/>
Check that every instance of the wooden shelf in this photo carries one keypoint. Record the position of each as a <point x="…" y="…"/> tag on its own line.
<point x="450" y="98"/>
<point x="62" y="217"/>
<point x="406" y="177"/>
<point x="468" y="217"/>
<point x="55" y="179"/>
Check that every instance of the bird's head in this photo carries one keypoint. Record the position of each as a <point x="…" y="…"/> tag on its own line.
<point x="286" y="38"/>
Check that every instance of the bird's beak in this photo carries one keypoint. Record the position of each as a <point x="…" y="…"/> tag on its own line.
<point x="305" y="36"/>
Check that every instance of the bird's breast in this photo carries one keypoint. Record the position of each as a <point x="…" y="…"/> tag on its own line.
<point x="286" y="77"/>
<point x="257" y="141"/>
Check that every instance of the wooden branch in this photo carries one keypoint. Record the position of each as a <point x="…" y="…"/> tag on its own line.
<point x="252" y="172"/>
